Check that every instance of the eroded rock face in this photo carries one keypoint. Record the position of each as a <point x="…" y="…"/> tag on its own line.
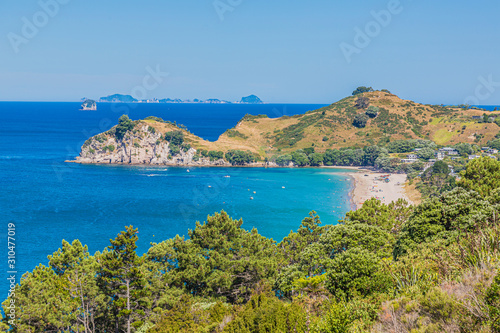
<point x="139" y="146"/>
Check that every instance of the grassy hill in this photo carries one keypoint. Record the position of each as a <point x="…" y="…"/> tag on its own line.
<point x="332" y="126"/>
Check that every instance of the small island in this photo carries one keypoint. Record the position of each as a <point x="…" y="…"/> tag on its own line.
<point x="89" y="105"/>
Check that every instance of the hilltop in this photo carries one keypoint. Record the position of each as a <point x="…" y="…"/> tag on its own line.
<point x="371" y="118"/>
<point x="334" y="126"/>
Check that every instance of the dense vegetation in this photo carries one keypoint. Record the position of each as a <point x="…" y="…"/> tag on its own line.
<point x="383" y="268"/>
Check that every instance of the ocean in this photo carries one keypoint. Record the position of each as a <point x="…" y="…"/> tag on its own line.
<point x="49" y="200"/>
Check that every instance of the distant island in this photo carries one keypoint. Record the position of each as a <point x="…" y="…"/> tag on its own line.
<point x="119" y="98"/>
<point x="252" y="99"/>
<point x="89" y="105"/>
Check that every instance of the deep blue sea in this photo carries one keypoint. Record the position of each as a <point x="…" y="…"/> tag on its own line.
<point x="49" y="200"/>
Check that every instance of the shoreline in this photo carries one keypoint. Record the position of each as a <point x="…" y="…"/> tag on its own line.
<point x="370" y="184"/>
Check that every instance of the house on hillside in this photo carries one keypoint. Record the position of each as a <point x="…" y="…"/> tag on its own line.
<point x="492" y="151"/>
<point x="440" y="155"/>
<point x="472" y="157"/>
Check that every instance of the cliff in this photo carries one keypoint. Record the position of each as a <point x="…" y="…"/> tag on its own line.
<point x="144" y="142"/>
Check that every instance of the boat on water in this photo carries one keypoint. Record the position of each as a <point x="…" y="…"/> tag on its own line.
<point x="89" y="105"/>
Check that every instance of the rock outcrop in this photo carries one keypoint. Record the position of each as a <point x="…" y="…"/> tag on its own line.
<point x="142" y="145"/>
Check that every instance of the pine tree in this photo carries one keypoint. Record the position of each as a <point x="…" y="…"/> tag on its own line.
<point x="121" y="279"/>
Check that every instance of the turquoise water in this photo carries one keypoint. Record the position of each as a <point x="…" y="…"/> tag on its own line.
<point x="49" y="200"/>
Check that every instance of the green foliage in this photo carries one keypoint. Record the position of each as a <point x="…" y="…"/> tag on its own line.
<point x="442" y="217"/>
<point x="268" y="314"/>
<point x="425" y="153"/>
<point x="493" y="302"/>
<point x="372" y="111"/>
<point x="239" y="157"/>
<point x="125" y="124"/>
<point x="176" y="138"/>
<point x="174" y="150"/>
<point x="356" y="272"/>
<point x="122" y="281"/>
<point x="300" y="159"/>
<point x="360" y="120"/>
<point x="215" y="155"/>
<point x="219" y="260"/>
<point x="284" y="160"/>
<point x="232" y="133"/>
<point x="362" y="89"/>
<point x="481" y="175"/>
<point x="316" y="159"/>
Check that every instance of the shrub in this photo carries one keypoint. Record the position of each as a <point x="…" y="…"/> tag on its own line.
<point x="215" y="155"/>
<point x="362" y="89"/>
<point x="175" y="137"/>
<point x="360" y="120"/>
<point x="372" y="111"/>
<point x="238" y="157"/>
<point x="325" y="138"/>
<point x="125" y="124"/>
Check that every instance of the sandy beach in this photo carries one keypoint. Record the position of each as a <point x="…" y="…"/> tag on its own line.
<point x="369" y="184"/>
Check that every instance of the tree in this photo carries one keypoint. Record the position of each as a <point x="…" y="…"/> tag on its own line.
<point x="425" y="153"/>
<point x="77" y="269"/>
<point x="356" y="272"/>
<point x="284" y="160"/>
<point x="372" y="111"/>
<point x="122" y="281"/>
<point x="360" y="120"/>
<point x="239" y="157"/>
<point x="371" y="153"/>
<point x="440" y="167"/>
<point x="300" y="158"/>
<point x="481" y="175"/>
<point x="125" y="124"/>
<point x="42" y="303"/>
<point x="464" y="148"/>
<point x="316" y="159"/>
<point x="215" y="155"/>
<point x="176" y="138"/>
<point x="442" y="217"/>
<point x="362" y="89"/>
<point x="220" y="259"/>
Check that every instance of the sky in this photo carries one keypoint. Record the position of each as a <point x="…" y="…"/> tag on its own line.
<point x="284" y="51"/>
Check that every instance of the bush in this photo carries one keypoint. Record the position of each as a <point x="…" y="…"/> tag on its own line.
<point x="239" y="157"/>
<point x="316" y="159"/>
<point x="362" y="89"/>
<point x="215" y="155"/>
<point x="356" y="272"/>
<point x="360" y="120"/>
<point x="493" y="302"/>
<point x="284" y="160"/>
<point x="175" y="137"/>
<point x="325" y="138"/>
<point x="372" y="111"/>
<point x="300" y="159"/>
<point x="125" y="124"/>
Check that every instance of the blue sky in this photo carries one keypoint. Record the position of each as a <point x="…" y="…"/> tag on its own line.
<point x="282" y="51"/>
